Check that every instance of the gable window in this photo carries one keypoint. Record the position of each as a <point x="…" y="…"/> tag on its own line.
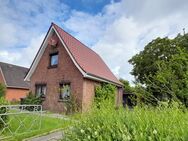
<point x="64" y="91"/>
<point x="54" y="59"/>
<point x="40" y="90"/>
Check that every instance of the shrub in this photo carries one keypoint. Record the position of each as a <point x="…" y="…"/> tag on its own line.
<point x="3" y="110"/>
<point x="140" y="124"/>
<point x="104" y="92"/>
<point x="2" y="90"/>
<point x="71" y="106"/>
<point x="31" y="99"/>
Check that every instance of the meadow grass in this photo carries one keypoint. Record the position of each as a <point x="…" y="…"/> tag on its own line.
<point x="32" y="125"/>
<point x="146" y="123"/>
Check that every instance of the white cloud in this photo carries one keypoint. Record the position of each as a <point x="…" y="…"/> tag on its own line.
<point x="8" y="35"/>
<point x="23" y="56"/>
<point x="23" y="25"/>
<point x="9" y="56"/>
<point x="118" y="32"/>
<point x="122" y="29"/>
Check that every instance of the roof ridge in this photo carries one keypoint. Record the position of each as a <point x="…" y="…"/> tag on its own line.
<point x="75" y="38"/>
<point x="13" y="65"/>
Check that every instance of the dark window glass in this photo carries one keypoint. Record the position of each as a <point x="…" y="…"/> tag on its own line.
<point x="65" y="91"/>
<point x="54" y="59"/>
<point x="41" y="90"/>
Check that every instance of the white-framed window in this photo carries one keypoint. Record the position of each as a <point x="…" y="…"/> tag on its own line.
<point x="65" y="91"/>
<point x="40" y="90"/>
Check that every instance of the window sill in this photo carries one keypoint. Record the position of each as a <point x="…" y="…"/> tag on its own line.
<point x="63" y="100"/>
<point x="43" y="98"/>
<point x="52" y="67"/>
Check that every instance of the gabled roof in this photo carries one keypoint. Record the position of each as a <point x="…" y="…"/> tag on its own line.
<point x="86" y="60"/>
<point x="14" y="75"/>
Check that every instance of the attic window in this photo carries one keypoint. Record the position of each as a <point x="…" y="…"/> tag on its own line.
<point x="54" y="59"/>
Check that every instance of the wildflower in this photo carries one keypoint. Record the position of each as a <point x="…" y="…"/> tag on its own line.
<point x="88" y="137"/>
<point x="154" y="131"/>
<point x="141" y="134"/>
<point x="95" y="133"/>
<point x="128" y="138"/>
<point x="82" y="131"/>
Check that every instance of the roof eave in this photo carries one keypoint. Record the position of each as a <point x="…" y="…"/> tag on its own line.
<point x="17" y="87"/>
<point x="38" y="55"/>
<point x="92" y="77"/>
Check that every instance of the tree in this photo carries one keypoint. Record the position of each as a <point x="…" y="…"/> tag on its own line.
<point x="126" y="85"/>
<point x="144" y="63"/>
<point x="162" y="68"/>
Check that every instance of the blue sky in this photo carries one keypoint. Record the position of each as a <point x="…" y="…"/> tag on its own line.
<point x="115" y="29"/>
<point x="89" y="6"/>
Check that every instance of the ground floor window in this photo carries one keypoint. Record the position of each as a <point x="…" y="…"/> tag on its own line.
<point x="40" y="90"/>
<point x="64" y="91"/>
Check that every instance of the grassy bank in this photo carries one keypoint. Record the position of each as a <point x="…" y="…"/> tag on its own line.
<point x="138" y="124"/>
<point x="32" y="125"/>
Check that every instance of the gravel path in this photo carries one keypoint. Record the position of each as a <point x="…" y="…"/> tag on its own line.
<point x="56" y="136"/>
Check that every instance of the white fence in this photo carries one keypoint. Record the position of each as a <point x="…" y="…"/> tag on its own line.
<point x="19" y="119"/>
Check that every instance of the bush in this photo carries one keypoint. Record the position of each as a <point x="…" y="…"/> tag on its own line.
<point x="3" y="110"/>
<point x="104" y="92"/>
<point x="139" y="124"/>
<point x="2" y="90"/>
<point x="71" y="106"/>
<point x="31" y="99"/>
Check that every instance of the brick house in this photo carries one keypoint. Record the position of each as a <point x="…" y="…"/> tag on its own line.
<point x="64" y="66"/>
<point x="12" y="77"/>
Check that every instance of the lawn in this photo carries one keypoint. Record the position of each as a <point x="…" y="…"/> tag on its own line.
<point x="32" y="125"/>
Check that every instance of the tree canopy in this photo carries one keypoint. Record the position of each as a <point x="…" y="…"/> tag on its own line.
<point x="162" y="67"/>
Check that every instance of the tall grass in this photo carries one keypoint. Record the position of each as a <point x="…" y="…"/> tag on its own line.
<point x="164" y="123"/>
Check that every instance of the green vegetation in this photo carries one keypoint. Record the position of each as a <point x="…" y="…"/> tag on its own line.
<point x="2" y="90"/>
<point x="3" y="110"/>
<point x="3" y="102"/>
<point x="126" y="86"/>
<point x="104" y="92"/>
<point x="164" y="123"/>
<point x="71" y="105"/>
<point x="161" y="70"/>
<point x="31" y="99"/>
<point x="161" y="87"/>
<point x="47" y="124"/>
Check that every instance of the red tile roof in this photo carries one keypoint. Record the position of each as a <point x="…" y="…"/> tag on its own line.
<point x="89" y="61"/>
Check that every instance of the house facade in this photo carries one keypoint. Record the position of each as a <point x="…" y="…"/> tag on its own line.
<point x="12" y="77"/>
<point x="63" y="68"/>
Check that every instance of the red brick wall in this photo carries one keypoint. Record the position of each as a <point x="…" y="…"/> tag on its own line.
<point x="88" y="93"/>
<point x="66" y="71"/>
<point x="13" y="94"/>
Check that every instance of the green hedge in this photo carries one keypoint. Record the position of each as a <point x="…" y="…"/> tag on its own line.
<point x="104" y="92"/>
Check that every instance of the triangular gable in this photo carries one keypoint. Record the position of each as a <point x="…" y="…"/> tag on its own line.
<point x="73" y="46"/>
